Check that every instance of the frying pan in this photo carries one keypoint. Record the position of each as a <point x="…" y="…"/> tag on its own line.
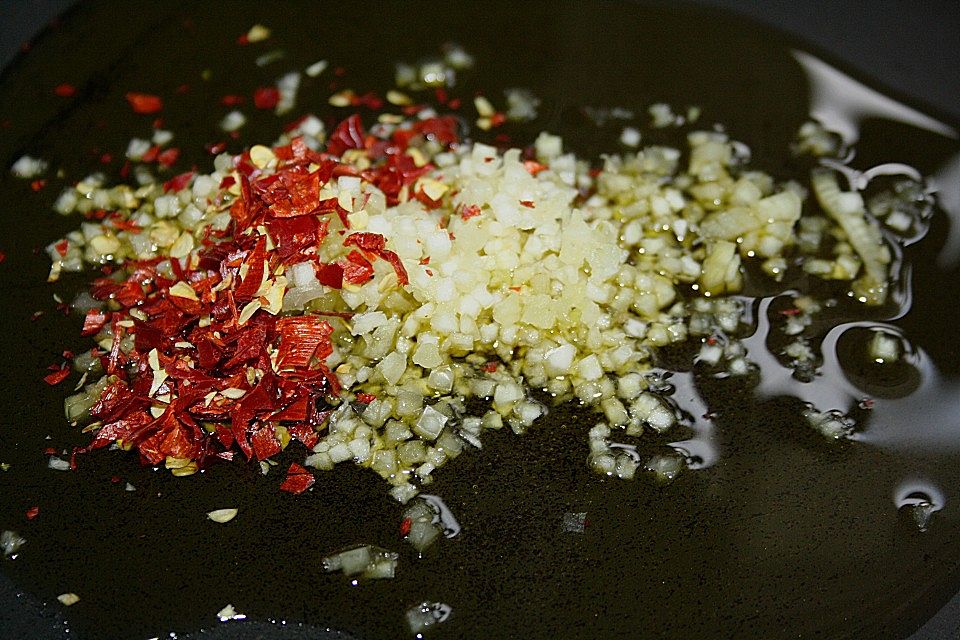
<point x="791" y="539"/>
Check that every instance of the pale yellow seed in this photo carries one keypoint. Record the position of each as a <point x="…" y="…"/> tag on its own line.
<point x="183" y="290"/>
<point x="341" y="98"/>
<point x="258" y="33"/>
<point x="222" y="515"/>
<point x="434" y="189"/>
<point x="484" y="108"/>
<point x="67" y="599"/>
<point x="248" y="310"/>
<point x="398" y="98"/>
<point x="261" y="156"/>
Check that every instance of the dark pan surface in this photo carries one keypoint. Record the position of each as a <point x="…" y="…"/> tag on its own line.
<point x="786" y="536"/>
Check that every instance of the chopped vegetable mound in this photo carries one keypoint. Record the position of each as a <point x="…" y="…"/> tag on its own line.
<point x="354" y="293"/>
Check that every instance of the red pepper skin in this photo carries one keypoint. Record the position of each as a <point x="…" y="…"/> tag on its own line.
<point x="298" y="480"/>
<point x="144" y="103"/>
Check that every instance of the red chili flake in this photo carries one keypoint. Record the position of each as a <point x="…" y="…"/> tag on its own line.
<point x="454" y="104"/>
<point x="298" y="480"/>
<point x="125" y="225"/>
<point x="50" y="451"/>
<point x="349" y="134"/>
<point x="125" y="169"/>
<point x="232" y="100"/>
<point x="470" y="211"/>
<point x="370" y="100"/>
<point x="374" y="243"/>
<point x="58" y="376"/>
<point x="215" y="148"/>
<point x="429" y="272"/>
<point x="266" y="97"/>
<point x="533" y="168"/>
<point x="106" y="158"/>
<point x="264" y="442"/>
<point x="93" y="322"/>
<point x="516" y="289"/>
<point x="168" y="157"/>
<point x="157" y="123"/>
<point x="491" y="366"/>
<point x="178" y="182"/>
<point x="115" y="479"/>
<point x="301" y="339"/>
<point x="793" y="311"/>
<point x="405" y="525"/>
<point x="37" y="185"/>
<point x="144" y="102"/>
<point x="330" y="275"/>
<point x="425" y="261"/>
<point x="529" y="204"/>
<point x="498" y="119"/>
<point x="151" y="154"/>
<point x="32" y="512"/>
<point x="65" y="90"/>
<point x="711" y="341"/>
<point x="366" y="398"/>
<point x="340" y="71"/>
<point x="867" y="403"/>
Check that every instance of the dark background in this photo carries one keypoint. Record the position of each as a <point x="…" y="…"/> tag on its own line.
<point x="911" y="46"/>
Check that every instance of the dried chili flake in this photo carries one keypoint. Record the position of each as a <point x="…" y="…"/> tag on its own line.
<point x="298" y="480"/>
<point x="470" y="211"/>
<point x="366" y="398"/>
<point x="178" y="182"/>
<point x="93" y="322"/>
<point x="349" y="134"/>
<point x="65" y="90"/>
<point x="301" y="339"/>
<point x="32" y="512"/>
<point x="533" y="167"/>
<point x="375" y="243"/>
<point x="491" y="366"/>
<point x="330" y="275"/>
<point x="38" y="185"/>
<point x="215" y="149"/>
<point x="405" y="525"/>
<point x="232" y="100"/>
<point x="266" y="97"/>
<point x="528" y="204"/>
<point x="356" y="269"/>
<point x="58" y="376"/>
<point x="264" y="442"/>
<point x="168" y="157"/>
<point x="144" y="103"/>
<point x="151" y="154"/>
